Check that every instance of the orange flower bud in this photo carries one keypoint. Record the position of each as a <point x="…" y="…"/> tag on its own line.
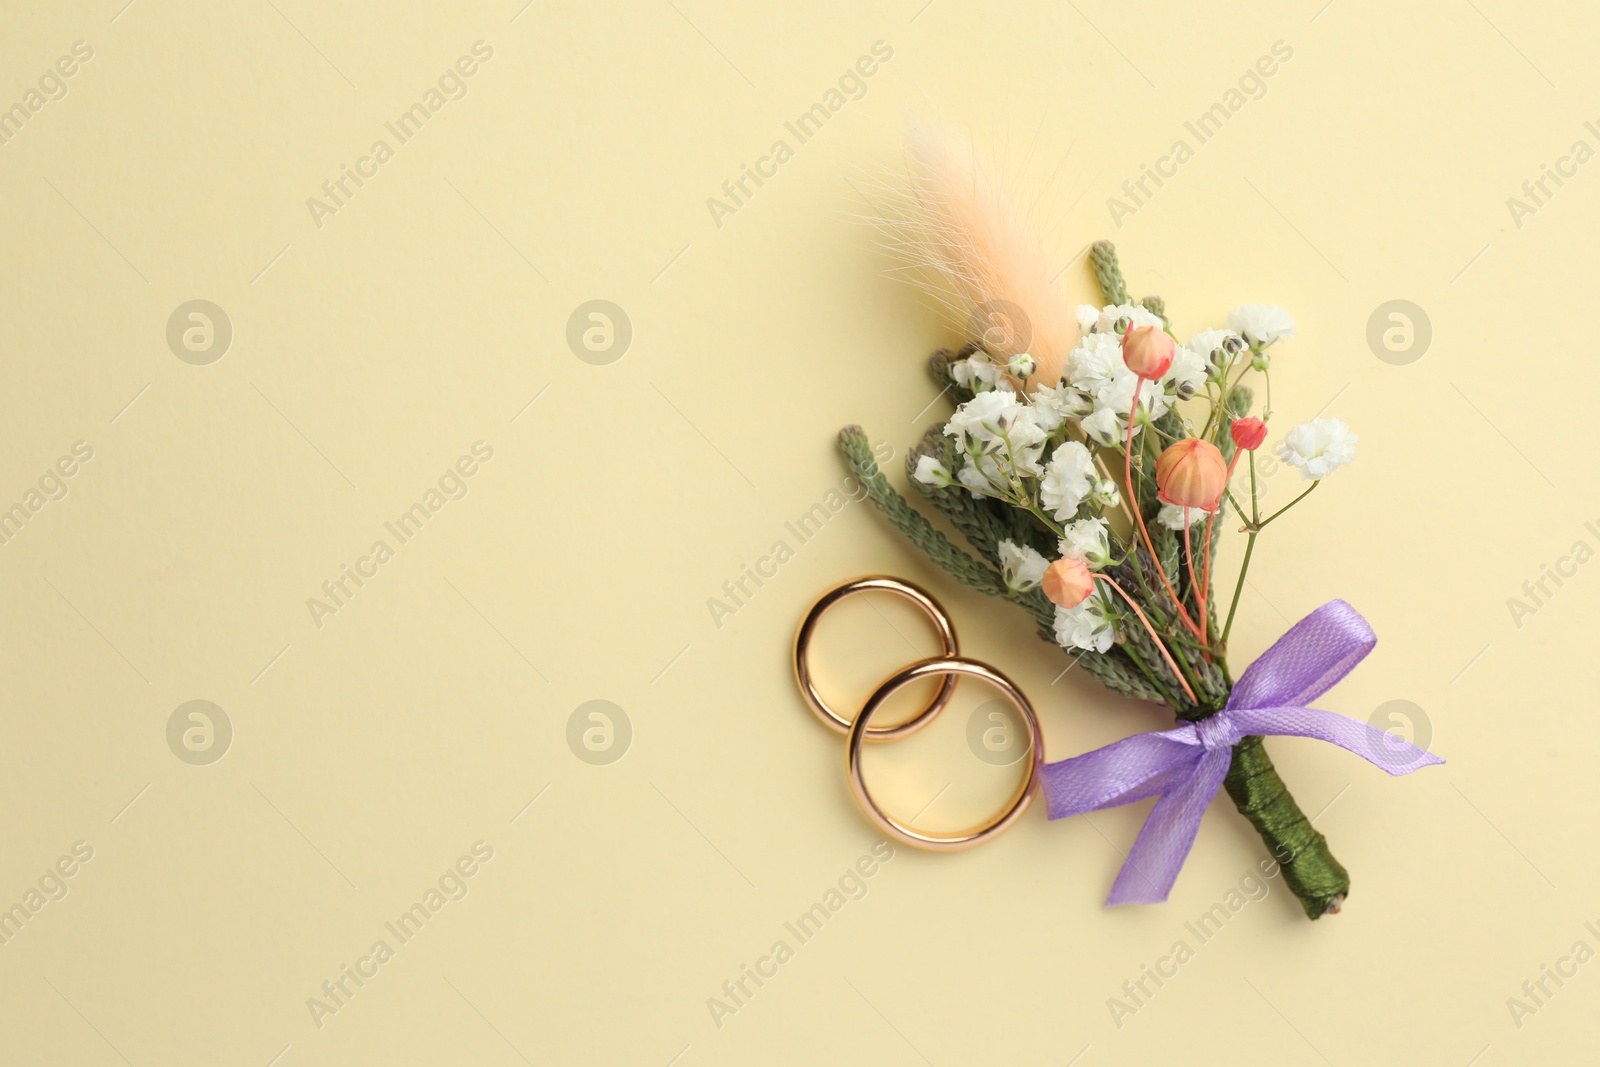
<point x="1148" y="351"/>
<point x="1068" y="582"/>
<point x="1248" y="433"/>
<point x="1192" y="474"/>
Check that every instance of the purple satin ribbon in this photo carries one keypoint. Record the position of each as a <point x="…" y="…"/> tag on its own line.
<point x="1185" y="767"/>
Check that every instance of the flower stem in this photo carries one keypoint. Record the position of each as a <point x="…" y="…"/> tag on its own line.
<point x="1194" y="584"/>
<point x="1099" y="461"/>
<point x="1262" y="524"/>
<point x="1154" y="637"/>
<point x="1229" y="390"/>
<point x="1228" y="495"/>
<point x="1254" y="526"/>
<point x="1227" y="627"/>
<point x="1205" y="581"/>
<point x="1161" y="572"/>
<point x="1156" y="679"/>
<point x="1122" y="498"/>
<point x="1309" y="868"/>
<point x="1219" y="409"/>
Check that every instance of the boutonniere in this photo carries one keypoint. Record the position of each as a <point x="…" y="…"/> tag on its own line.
<point x="1094" y="458"/>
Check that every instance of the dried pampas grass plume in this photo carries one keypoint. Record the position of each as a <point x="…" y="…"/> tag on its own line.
<point x="965" y="243"/>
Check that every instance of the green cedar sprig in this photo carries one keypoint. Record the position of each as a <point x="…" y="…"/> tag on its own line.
<point x="911" y="522"/>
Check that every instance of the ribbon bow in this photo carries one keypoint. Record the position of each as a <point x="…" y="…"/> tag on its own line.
<point x="1185" y="767"/>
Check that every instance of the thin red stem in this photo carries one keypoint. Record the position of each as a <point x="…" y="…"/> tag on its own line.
<point x="1160" y="647"/>
<point x="1138" y="512"/>
<point x="1188" y="558"/>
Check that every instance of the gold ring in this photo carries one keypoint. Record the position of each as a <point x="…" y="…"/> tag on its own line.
<point x="802" y="654"/>
<point x="950" y="667"/>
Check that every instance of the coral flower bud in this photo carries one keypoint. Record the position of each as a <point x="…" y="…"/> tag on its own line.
<point x="1148" y="351"/>
<point x="1248" y="433"/>
<point x="1068" y="582"/>
<point x="1191" y="474"/>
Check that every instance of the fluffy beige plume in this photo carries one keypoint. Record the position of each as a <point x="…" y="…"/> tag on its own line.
<point x="968" y="245"/>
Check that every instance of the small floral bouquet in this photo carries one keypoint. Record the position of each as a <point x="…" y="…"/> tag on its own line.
<point x="1088" y="462"/>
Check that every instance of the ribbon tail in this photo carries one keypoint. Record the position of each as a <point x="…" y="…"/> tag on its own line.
<point x="1393" y="754"/>
<point x="1168" y="834"/>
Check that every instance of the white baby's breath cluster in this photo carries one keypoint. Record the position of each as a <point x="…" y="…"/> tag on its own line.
<point x="1020" y="448"/>
<point x="1097" y="371"/>
<point x="1318" y="448"/>
<point x="1034" y="445"/>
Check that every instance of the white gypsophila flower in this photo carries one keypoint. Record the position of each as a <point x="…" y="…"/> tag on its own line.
<point x="1031" y="425"/>
<point x="1104" y="492"/>
<point x="1010" y="446"/>
<point x="1112" y="314"/>
<point x="984" y="418"/>
<point x="1188" y="371"/>
<point x="1067" y="480"/>
<point x="1084" y="626"/>
<point x="1088" y="317"/>
<point x="1048" y="412"/>
<point x="1023" y="567"/>
<point x="1020" y="365"/>
<point x="1096" y="368"/>
<point x="931" y="472"/>
<point x="1029" y="462"/>
<point x="1106" y="428"/>
<point x="1093" y="360"/>
<point x="1171" y="516"/>
<point x="1208" y="342"/>
<point x="1086" y="540"/>
<point x="977" y="373"/>
<point x="1054" y="404"/>
<point x="1262" y="324"/>
<point x="1318" y="448"/>
<point x="1118" y="395"/>
<point x="981" y="474"/>
<point x="1027" y="435"/>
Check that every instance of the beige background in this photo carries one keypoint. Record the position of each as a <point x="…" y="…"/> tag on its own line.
<point x="371" y="352"/>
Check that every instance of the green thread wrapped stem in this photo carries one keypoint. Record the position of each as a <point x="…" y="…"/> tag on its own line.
<point x="1309" y="869"/>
